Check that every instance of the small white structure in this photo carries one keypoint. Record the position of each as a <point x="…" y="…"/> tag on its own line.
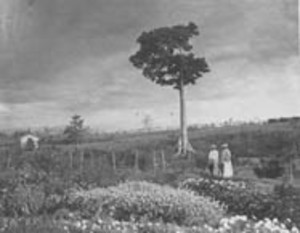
<point x="26" y="139"/>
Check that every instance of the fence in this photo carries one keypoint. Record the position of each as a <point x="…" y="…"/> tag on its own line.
<point x="91" y="160"/>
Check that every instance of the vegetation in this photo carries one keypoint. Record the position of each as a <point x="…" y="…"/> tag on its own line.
<point x="244" y="200"/>
<point x="269" y="169"/>
<point x="74" y="131"/>
<point x="143" y="201"/>
<point x="42" y="184"/>
<point x="231" y="224"/>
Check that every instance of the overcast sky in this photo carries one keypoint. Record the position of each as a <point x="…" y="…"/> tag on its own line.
<point x="61" y="57"/>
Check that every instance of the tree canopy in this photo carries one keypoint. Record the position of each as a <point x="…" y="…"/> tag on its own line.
<point x="75" y="129"/>
<point x="165" y="56"/>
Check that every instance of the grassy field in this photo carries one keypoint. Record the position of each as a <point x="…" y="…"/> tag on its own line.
<point x="248" y="143"/>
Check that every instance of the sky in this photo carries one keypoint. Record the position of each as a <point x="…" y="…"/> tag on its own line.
<point x="64" y="57"/>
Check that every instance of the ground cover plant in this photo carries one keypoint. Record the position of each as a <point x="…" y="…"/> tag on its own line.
<point x="242" y="200"/>
<point x="146" y="201"/>
<point x="233" y="224"/>
<point x="151" y="208"/>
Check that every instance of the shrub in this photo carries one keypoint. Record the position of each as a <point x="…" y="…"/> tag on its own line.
<point x="269" y="169"/>
<point x="288" y="202"/>
<point x="146" y="201"/>
<point x="241" y="200"/>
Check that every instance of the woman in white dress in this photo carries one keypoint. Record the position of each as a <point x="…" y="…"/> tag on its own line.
<point x="226" y="161"/>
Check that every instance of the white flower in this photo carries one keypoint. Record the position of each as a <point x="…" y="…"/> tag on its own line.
<point x="243" y="218"/>
<point x="100" y="221"/>
<point x="295" y="230"/>
<point x="224" y="221"/>
<point x="77" y="224"/>
<point x="258" y="224"/>
<point x="275" y="220"/>
<point x="282" y="225"/>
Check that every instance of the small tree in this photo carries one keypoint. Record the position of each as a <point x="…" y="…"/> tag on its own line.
<point x="165" y="57"/>
<point x="147" y="122"/>
<point x="75" y="129"/>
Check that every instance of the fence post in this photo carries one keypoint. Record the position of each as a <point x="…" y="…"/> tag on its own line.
<point x="92" y="160"/>
<point x="154" y="161"/>
<point x="81" y="160"/>
<point x="114" y="162"/>
<point x="71" y="159"/>
<point x="163" y="160"/>
<point x="8" y="159"/>
<point x="100" y="162"/>
<point x="136" y="161"/>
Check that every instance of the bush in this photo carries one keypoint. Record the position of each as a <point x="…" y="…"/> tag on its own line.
<point x="269" y="169"/>
<point x="289" y="204"/>
<point x="242" y="200"/>
<point x="140" y="201"/>
<point x="29" y="192"/>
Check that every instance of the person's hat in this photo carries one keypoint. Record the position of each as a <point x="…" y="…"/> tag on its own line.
<point x="213" y="146"/>
<point x="225" y="145"/>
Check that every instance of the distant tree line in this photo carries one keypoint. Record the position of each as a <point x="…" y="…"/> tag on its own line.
<point x="284" y="120"/>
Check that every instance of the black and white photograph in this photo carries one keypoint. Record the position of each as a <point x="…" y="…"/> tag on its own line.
<point x="149" y="116"/>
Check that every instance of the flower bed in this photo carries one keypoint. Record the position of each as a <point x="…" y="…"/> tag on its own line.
<point x="145" y="201"/>
<point x="234" y="224"/>
<point x="244" y="201"/>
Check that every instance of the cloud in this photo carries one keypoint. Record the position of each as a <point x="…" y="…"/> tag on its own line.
<point x="4" y="109"/>
<point x="72" y="57"/>
<point x="66" y="33"/>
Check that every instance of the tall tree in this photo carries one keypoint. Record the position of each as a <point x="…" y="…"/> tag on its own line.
<point x="166" y="59"/>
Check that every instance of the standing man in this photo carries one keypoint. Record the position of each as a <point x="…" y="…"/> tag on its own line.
<point x="213" y="160"/>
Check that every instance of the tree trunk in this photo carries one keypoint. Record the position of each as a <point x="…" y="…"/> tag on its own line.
<point x="184" y="145"/>
<point x="182" y="150"/>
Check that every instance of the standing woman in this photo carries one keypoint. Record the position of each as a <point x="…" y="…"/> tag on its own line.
<point x="226" y="161"/>
<point x="213" y="160"/>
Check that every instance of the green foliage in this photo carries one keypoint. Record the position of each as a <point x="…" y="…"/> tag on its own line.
<point x="32" y="225"/>
<point x="289" y="204"/>
<point x="232" y="224"/>
<point x="165" y="56"/>
<point x="75" y="129"/>
<point x="241" y="199"/>
<point x="29" y="190"/>
<point x="140" y="201"/>
<point x="23" y="200"/>
<point x="272" y="168"/>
